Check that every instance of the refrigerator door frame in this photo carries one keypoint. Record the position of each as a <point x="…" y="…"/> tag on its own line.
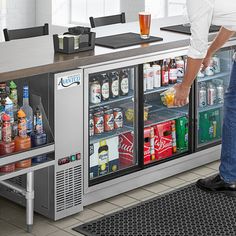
<point x="110" y="66"/>
<point x="197" y="147"/>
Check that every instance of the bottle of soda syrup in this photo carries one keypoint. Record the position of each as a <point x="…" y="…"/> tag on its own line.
<point x="22" y="141"/>
<point x="7" y="145"/>
<point x="38" y="137"/>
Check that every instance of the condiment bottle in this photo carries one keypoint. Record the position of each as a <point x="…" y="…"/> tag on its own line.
<point x="38" y="137"/>
<point x="22" y="141"/>
<point x="7" y="146"/>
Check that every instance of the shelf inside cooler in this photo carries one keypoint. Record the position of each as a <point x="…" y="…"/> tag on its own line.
<point x="19" y="156"/>
<point x="34" y="167"/>
<point x="130" y="95"/>
<point x="208" y="143"/>
<point x="207" y="108"/>
<point x="216" y="76"/>
<point x="160" y="89"/>
<point x="163" y="114"/>
<point x="97" y="137"/>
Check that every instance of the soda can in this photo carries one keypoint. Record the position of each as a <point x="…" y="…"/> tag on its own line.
<point x="220" y="93"/>
<point x="108" y="120"/>
<point x="150" y="74"/>
<point x="91" y="125"/>
<point x="216" y="64"/>
<point x="201" y="73"/>
<point x="95" y="92"/>
<point x="118" y="118"/>
<point x="202" y="96"/>
<point x="211" y="94"/>
<point x="180" y="67"/>
<point x="145" y="76"/>
<point x="209" y="71"/>
<point x="98" y="123"/>
<point x="156" y="76"/>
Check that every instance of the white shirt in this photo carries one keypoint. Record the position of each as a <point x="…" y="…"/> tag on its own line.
<point x="203" y="13"/>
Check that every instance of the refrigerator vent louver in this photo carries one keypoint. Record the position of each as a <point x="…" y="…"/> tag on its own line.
<point x="68" y="188"/>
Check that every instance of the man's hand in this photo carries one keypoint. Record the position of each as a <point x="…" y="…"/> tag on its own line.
<point x="181" y="95"/>
<point x="206" y="62"/>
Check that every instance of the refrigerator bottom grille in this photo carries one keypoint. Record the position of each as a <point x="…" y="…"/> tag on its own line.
<point x="187" y="211"/>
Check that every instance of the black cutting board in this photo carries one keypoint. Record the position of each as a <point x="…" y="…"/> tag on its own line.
<point x="124" y="40"/>
<point x="186" y="29"/>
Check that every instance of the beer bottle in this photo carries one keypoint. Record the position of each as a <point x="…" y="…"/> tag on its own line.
<point x="103" y="157"/>
<point x="173" y="72"/>
<point x="165" y="74"/>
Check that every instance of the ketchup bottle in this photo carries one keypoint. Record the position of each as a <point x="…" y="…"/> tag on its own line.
<point x="22" y="141"/>
<point x="7" y="146"/>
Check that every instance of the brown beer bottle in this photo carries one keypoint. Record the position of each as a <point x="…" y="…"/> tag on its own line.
<point x="165" y="73"/>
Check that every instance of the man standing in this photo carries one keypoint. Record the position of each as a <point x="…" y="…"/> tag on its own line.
<point x="203" y="13"/>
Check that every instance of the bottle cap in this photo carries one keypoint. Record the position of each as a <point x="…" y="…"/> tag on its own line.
<point x="21" y="114"/>
<point x="6" y="117"/>
<point x="103" y="143"/>
<point x="13" y="85"/>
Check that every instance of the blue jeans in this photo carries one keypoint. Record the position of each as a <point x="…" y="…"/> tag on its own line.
<point x="228" y="152"/>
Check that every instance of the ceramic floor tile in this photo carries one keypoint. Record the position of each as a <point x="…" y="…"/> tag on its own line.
<point x="43" y="229"/>
<point x="156" y="187"/>
<point x="7" y="229"/>
<point x="87" y="215"/>
<point x="139" y="194"/>
<point x="20" y="233"/>
<point x="71" y="231"/>
<point x="122" y="200"/>
<point x="103" y="207"/>
<point x="188" y="176"/>
<point x="172" y="181"/>
<point x="214" y="165"/>
<point x="166" y="191"/>
<point x="149" y="198"/>
<point x="203" y="171"/>
<point x="60" y="233"/>
<point x="64" y="223"/>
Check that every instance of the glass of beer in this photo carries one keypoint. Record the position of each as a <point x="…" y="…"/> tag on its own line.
<point x="144" y="23"/>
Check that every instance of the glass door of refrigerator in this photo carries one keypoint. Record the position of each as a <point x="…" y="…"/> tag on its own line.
<point x="211" y="85"/>
<point x="165" y="129"/>
<point x="112" y="123"/>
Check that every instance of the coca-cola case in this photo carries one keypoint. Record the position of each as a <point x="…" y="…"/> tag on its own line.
<point x="147" y="146"/>
<point x="107" y="165"/>
<point x="126" y="150"/>
<point x="163" y="140"/>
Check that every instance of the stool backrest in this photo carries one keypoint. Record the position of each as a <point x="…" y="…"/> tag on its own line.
<point x="107" y="20"/>
<point x="25" y="33"/>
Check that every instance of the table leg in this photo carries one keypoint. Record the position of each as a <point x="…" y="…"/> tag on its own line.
<point x="30" y="200"/>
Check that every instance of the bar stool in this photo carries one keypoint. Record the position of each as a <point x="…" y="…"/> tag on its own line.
<point x="107" y="20"/>
<point x="26" y="32"/>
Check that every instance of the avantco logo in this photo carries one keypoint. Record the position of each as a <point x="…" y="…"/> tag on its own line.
<point x="68" y="81"/>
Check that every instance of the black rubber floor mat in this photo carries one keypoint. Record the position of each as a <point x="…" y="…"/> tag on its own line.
<point x="185" y="212"/>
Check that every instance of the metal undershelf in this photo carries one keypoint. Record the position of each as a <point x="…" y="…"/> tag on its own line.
<point x="34" y="167"/>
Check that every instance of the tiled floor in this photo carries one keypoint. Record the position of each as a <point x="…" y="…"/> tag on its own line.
<point x="12" y="216"/>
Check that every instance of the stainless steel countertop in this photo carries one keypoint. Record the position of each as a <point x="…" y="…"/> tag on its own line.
<point x="28" y="57"/>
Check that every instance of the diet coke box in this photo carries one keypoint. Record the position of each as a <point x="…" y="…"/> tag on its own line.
<point x="163" y="140"/>
<point x="126" y="150"/>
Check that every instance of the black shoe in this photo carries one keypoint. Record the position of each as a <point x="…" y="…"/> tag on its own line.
<point x="216" y="184"/>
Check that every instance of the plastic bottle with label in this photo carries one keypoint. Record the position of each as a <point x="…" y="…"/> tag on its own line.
<point x="38" y="137"/>
<point x="27" y="109"/>
<point x="7" y="146"/>
<point x="22" y="141"/>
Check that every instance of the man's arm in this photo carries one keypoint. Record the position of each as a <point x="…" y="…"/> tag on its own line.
<point x="193" y="65"/>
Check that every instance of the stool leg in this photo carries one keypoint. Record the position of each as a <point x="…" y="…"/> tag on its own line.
<point x="30" y="201"/>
